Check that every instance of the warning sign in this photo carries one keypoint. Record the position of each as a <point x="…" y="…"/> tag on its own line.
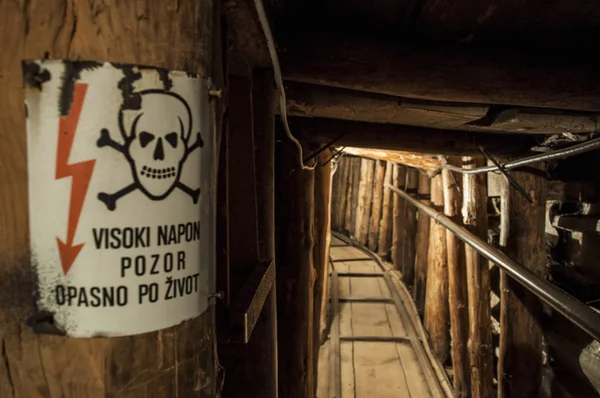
<point x="121" y="185"/>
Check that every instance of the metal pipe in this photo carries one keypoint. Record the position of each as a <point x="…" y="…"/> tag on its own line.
<point x="513" y="164"/>
<point x="573" y="309"/>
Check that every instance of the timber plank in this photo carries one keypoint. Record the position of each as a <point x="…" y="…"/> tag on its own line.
<point x="368" y="288"/>
<point x="357" y="267"/>
<point x="378" y="371"/>
<point x="346" y="253"/>
<point x="417" y="384"/>
<point x="370" y="319"/>
<point x="347" y="357"/>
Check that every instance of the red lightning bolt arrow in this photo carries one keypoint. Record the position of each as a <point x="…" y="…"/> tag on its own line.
<point x="80" y="174"/>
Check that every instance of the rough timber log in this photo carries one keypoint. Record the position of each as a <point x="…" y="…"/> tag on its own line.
<point x="457" y="284"/>
<point x="365" y="195"/>
<point x="520" y="358"/>
<point x="377" y="203"/>
<point x="436" y="295"/>
<point x="385" y="227"/>
<point x="338" y="201"/>
<point x="175" y="361"/>
<point x="351" y="165"/>
<point x="409" y="229"/>
<point x="355" y="195"/>
<point x="399" y="181"/>
<point x="418" y="161"/>
<point x="322" y="233"/>
<point x="485" y="76"/>
<point x="408" y="138"/>
<point x="478" y="284"/>
<point x="294" y="214"/>
<point x="421" y="255"/>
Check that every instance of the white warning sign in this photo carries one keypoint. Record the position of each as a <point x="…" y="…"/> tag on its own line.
<point x="121" y="185"/>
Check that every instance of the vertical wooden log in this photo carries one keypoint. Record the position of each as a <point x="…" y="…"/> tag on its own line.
<point x="356" y="177"/>
<point x="386" y="224"/>
<point x="397" y="242"/>
<point x="421" y="257"/>
<point x="365" y="200"/>
<point x="410" y="228"/>
<point x="294" y="211"/>
<point x="338" y="200"/>
<point x="175" y="361"/>
<point x="457" y="284"/>
<point x="349" y="194"/>
<point x="436" y="298"/>
<point x="478" y="284"/>
<point x="321" y="251"/>
<point x="520" y="359"/>
<point x="377" y="204"/>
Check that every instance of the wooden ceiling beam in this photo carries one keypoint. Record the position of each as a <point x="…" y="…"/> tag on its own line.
<point x="454" y="74"/>
<point x="310" y="100"/>
<point x="416" y="160"/>
<point x="408" y="138"/>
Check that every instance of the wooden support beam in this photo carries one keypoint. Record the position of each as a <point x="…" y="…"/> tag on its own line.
<point x="445" y="73"/>
<point x="408" y="138"/>
<point x="310" y="100"/>
<point x="457" y="284"/>
<point x="349" y="193"/>
<point x="338" y="201"/>
<point x="520" y="358"/>
<point x="437" y="316"/>
<point x="387" y="210"/>
<point x="167" y="361"/>
<point x="322" y="230"/>
<point x="481" y="354"/>
<point x="399" y="181"/>
<point x="365" y="196"/>
<point x="409" y="229"/>
<point x="422" y="246"/>
<point x="418" y="161"/>
<point x="355" y="195"/>
<point x="377" y="203"/>
<point x="294" y="214"/>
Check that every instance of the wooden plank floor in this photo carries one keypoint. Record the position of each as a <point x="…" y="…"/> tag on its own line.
<point x="370" y="347"/>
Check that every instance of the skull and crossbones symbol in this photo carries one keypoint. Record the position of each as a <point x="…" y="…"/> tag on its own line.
<point x="156" y="146"/>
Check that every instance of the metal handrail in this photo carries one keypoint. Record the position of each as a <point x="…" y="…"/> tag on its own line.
<point x="574" y="310"/>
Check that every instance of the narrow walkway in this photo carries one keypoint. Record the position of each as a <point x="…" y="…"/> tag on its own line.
<point x="373" y="348"/>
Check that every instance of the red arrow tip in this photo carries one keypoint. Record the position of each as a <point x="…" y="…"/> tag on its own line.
<point x="68" y="254"/>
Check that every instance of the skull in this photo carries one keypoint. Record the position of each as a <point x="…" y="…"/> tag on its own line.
<point x="158" y="141"/>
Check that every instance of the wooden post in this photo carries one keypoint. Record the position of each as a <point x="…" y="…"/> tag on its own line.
<point x="520" y="359"/>
<point x="397" y="241"/>
<point x="457" y="284"/>
<point x="294" y="214"/>
<point x="410" y="228"/>
<point x="387" y="210"/>
<point x="352" y="196"/>
<point x="338" y="201"/>
<point x="421" y="256"/>
<point x="321" y="250"/>
<point x="436" y="298"/>
<point x="349" y="194"/>
<point x="365" y="196"/>
<point x="376" y="218"/>
<point x="478" y="284"/>
<point x="178" y="361"/>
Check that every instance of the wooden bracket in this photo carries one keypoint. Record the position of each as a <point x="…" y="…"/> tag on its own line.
<point x="249" y="302"/>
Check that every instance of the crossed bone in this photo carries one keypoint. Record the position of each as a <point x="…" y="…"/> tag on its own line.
<point x="110" y="200"/>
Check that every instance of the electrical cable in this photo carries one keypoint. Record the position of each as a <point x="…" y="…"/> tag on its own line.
<point x="264" y="23"/>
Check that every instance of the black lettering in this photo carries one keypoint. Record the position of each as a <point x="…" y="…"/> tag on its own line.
<point x="154" y="269"/>
<point x="71" y="294"/>
<point x="122" y="296"/>
<point x="168" y="293"/>
<point x="189" y="284"/>
<point x="108" y="296"/>
<point x="149" y="291"/>
<point x="196" y="231"/>
<point x="60" y="294"/>
<point x="82" y="300"/>
<point x="99" y="235"/>
<point x="180" y="260"/>
<point x="115" y="236"/>
<point x="168" y="262"/>
<point x="127" y="242"/>
<point x="125" y="265"/>
<point x="139" y="237"/>
<point x="140" y="265"/>
<point x="96" y="300"/>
